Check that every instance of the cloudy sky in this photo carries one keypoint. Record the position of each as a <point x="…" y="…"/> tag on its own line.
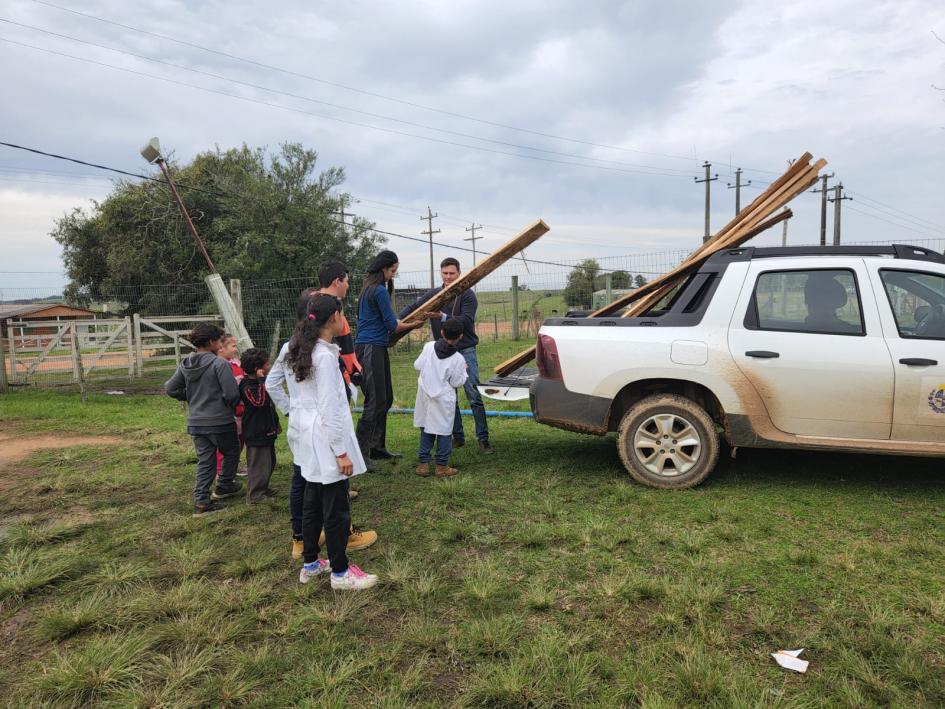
<point x="593" y="116"/>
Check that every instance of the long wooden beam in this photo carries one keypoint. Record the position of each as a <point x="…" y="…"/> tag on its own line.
<point x="749" y="222"/>
<point x="529" y="235"/>
<point x="648" y="291"/>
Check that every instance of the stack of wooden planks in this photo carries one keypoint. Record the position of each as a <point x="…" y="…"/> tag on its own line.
<point x="751" y="221"/>
<point x="524" y="238"/>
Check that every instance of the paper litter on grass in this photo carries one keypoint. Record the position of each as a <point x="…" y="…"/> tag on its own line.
<point x="789" y="660"/>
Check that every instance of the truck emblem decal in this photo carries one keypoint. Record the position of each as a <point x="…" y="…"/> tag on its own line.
<point x="937" y="400"/>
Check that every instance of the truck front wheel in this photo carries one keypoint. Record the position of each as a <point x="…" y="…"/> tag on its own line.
<point x="668" y="441"/>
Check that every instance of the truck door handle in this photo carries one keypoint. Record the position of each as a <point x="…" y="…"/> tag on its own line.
<point x="762" y="354"/>
<point x="918" y="362"/>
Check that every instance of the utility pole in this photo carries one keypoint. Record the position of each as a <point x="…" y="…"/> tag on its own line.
<point x="837" y="198"/>
<point x="430" y="232"/>
<point x="473" y="228"/>
<point x="738" y="189"/>
<point x="823" y="207"/>
<point x="707" y="179"/>
<point x="784" y="229"/>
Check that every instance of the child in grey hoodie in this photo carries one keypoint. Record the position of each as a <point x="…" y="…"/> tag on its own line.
<point x="207" y="384"/>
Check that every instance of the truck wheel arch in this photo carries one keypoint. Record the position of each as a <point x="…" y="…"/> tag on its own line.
<point x="635" y="391"/>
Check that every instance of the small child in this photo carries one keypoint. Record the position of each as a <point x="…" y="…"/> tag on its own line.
<point x="442" y="369"/>
<point x="260" y="425"/>
<point x="229" y="352"/>
<point x="322" y="439"/>
<point x="207" y="384"/>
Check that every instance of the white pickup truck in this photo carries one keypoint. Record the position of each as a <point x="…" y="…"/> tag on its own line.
<point x="828" y="348"/>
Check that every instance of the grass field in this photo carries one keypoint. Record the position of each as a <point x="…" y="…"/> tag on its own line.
<point x="540" y="577"/>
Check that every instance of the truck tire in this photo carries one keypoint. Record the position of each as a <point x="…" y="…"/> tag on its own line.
<point x="668" y="441"/>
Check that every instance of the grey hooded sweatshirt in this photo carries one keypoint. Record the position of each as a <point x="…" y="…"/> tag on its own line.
<point x="207" y="384"/>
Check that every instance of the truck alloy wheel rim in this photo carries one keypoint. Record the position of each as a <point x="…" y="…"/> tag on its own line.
<point x="667" y="445"/>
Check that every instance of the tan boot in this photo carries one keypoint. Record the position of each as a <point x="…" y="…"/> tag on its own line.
<point x="445" y="471"/>
<point x="357" y="540"/>
<point x="423" y="470"/>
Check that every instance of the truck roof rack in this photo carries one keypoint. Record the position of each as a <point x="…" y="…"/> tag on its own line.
<point x="903" y="251"/>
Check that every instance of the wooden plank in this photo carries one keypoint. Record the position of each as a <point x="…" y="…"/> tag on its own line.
<point x="138" y="357"/>
<point x="641" y="305"/>
<point x="131" y="349"/>
<point x="148" y="322"/>
<point x="525" y="356"/>
<point x="747" y="223"/>
<point x="46" y="350"/>
<point x="523" y="239"/>
<point x="104" y="348"/>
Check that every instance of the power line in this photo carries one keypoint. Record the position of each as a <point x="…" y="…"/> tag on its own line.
<point x="333" y="105"/>
<point x="333" y="118"/>
<point x="326" y="82"/>
<point x="241" y="196"/>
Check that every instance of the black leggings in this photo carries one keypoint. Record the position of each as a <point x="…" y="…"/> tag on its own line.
<point x="326" y="507"/>
<point x="378" y="396"/>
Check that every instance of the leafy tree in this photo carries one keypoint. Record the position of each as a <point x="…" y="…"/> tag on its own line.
<point x="261" y="217"/>
<point x="580" y="287"/>
<point x="639" y="281"/>
<point x="618" y="279"/>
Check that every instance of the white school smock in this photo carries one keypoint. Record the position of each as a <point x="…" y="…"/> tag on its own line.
<point x="436" y="390"/>
<point x="320" y="424"/>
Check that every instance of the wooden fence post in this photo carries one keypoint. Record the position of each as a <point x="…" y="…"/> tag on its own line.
<point x="274" y="345"/>
<point x="495" y="327"/>
<point x="131" y="348"/>
<point x="11" y="335"/>
<point x="608" y="287"/>
<point x="514" y="307"/>
<point x="236" y="292"/>
<point x="3" y="367"/>
<point x="78" y="371"/>
<point x="139" y="358"/>
<point x="177" y="349"/>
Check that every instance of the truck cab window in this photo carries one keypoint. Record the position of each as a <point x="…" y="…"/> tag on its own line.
<point x="811" y="301"/>
<point x="917" y="300"/>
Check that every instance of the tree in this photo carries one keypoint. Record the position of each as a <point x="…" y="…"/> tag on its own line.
<point x="261" y="217"/>
<point x="639" y="281"/>
<point x="618" y="279"/>
<point x="580" y="287"/>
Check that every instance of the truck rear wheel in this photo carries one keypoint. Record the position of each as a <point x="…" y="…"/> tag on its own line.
<point x="668" y="441"/>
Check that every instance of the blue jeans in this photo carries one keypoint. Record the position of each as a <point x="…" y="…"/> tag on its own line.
<point x="444" y="446"/>
<point x="474" y="398"/>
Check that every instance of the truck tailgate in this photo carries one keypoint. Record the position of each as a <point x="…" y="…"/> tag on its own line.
<point x="511" y="388"/>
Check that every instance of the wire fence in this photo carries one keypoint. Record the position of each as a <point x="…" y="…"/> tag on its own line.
<point x="139" y="334"/>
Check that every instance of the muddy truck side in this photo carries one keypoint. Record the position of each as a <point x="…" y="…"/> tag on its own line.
<point x="827" y="348"/>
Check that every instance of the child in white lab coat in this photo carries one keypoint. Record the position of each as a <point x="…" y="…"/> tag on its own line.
<point x="323" y="443"/>
<point x="442" y="369"/>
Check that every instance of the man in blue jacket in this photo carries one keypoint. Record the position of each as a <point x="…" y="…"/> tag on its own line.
<point x="463" y="309"/>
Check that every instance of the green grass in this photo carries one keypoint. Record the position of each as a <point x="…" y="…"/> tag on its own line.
<point x="541" y="576"/>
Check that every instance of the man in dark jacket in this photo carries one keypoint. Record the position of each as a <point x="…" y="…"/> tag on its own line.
<point x="206" y="382"/>
<point x="463" y="308"/>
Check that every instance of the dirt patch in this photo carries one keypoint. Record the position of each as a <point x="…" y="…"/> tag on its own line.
<point x="11" y="627"/>
<point x="15" y="448"/>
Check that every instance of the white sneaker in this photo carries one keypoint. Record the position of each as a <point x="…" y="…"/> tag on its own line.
<point x="310" y="571"/>
<point x="352" y="580"/>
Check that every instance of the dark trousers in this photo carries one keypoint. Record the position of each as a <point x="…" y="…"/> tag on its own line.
<point x="378" y="396"/>
<point x="326" y="506"/>
<point x="296" y="501"/>
<point x="207" y="445"/>
<point x="260" y="462"/>
<point x="444" y="446"/>
<point x="473" y="397"/>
